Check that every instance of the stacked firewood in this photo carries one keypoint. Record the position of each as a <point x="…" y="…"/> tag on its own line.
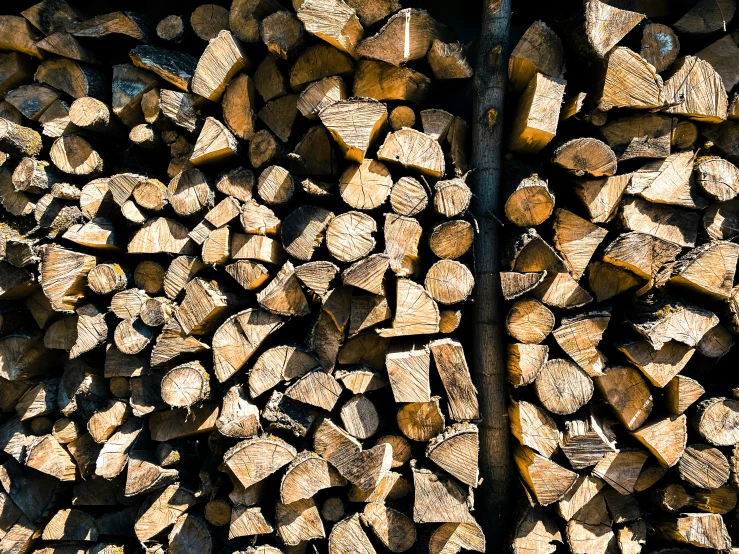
<point x="622" y="215"/>
<point x="232" y="274"/>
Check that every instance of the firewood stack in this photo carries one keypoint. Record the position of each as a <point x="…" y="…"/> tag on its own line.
<point x="234" y="262"/>
<point x="622" y="214"/>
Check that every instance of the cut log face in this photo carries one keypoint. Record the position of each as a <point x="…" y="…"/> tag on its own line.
<point x="413" y="150"/>
<point x="696" y="91"/>
<point x="718" y="178"/>
<point x="222" y="59"/>
<point x="546" y="480"/>
<point x="631" y="407"/>
<point x="354" y="124"/>
<point x="630" y="82"/>
<point x="562" y="387"/>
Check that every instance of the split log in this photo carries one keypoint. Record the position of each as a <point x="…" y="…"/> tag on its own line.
<point x="537" y="114"/>
<point x="573" y="387"/>
<point x="630" y="82"/>
<point x="222" y="60"/>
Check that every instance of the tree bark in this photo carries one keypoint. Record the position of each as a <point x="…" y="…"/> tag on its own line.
<point x="489" y="370"/>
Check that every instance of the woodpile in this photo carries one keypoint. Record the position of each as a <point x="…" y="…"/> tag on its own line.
<point x="620" y="272"/>
<point x="234" y="262"/>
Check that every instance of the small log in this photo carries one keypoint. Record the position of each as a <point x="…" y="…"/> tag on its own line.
<point x="628" y="395"/>
<point x="245" y="15"/>
<point x="706" y="17"/>
<point x="620" y="469"/>
<point x="207" y="20"/>
<point x="644" y="88"/>
<point x="237" y="339"/>
<point x="531" y="203"/>
<point x="360" y="417"/>
<point x="586" y="156"/>
<point x="239" y="103"/>
<point x="355" y="124"/>
<point x="448" y="60"/>
<point x="702" y="530"/>
<point x="524" y="362"/>
<point x="181" y="423"/>
<point x="579" y="336"/>
<point x="717" y="178"/>
<point x="696" y="91"/>
<point x="365" y="186"/>
<point x="77" y="80"/>
<point x="317" y="62"/>
<point x="640" y="253"/>
<point x="529" y="321"/>
<point x="421" y="421"/>
<point x="222" y="59"/>
<point x="185" y="385"/>
<point x="72" y="154"/>
<point x="395" y="530"/>
<point x="128" y="303"/>
<point x="667" y="182"/>
<point x="215" y="144"/>
<point x="298" y="522"/>
<point x="408" y="372"/>
<point x="658" y="366"/>
<point x="659" y="46"/>
<point x="383" y="81"/>
<point x="190" y="531"/>
<point x="32" y="100"/>
<point x="269" y="80"/>
<point x="275" y="186"/>
<point x="715" y="420"/>
<point x="16" y="139"/>
<point x="574" y="388"/>
<point x="172" y="28"/>
<point x="537" y="114"/>
<point x="547" y="480"/>
<point x="279" y="115"/>
<point x="576" y="239"/>
<point x="406" y="36"/>
<point x="282" y="33"/>
<point x="670" y="224"/>
<point x="606" y="25"/>
<point x="717" y="501"/>
<point x="151" y="194"/>
<point x="34" y="176"/>
<point x="402" y="116"/>
<point x="707" y="269"/>
<point x="130" y="24"/>
<point x="160" y="510"/>
<point x="703" y="467"/>
<point x="413" y="150"/>
<point x="349" y="536"/>
<point x="416" y="312"/>
<point x="665" y="438"/>
<point x="129" y="86"/>
<point x="333" y="21"/>
<point x="190" y="194"/>
<point x="639" y="136"/>
<point x="680" y="393"/>
<point x="673" y="321"/>
<point x="321" y="94"/>
<point x="533" y="427"/>
<point x="71" y="525"/>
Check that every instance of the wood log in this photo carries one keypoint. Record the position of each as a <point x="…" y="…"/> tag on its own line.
<point x="628" y="71"/>
<point x="207" y="20"/>
<point x="222" y="59"/>
<point x="529" y="321"/>
<point x="706" y="530"/>
<point x="537" y="114"/>
<point x="633" y="407"/>
<point x="574" y="386"/>
<point x="704" y="17"/>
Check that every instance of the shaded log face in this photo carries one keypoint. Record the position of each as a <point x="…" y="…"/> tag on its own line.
<point x="618" y="275"/>
<point x="235" y="279"/>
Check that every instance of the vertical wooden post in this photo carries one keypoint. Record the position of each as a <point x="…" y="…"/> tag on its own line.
<point x="488" y="352"/>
